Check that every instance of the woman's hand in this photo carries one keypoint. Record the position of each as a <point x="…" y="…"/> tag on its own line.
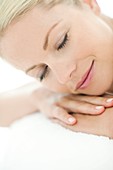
<point x="57" y="106"/>
<point x="101" y="125"/>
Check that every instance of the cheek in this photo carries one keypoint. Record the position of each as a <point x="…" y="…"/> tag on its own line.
<point x="53" y="85"/>
<point x="81" y="46"/>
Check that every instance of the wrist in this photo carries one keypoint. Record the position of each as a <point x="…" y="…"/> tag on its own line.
<point x="40" y="96"/>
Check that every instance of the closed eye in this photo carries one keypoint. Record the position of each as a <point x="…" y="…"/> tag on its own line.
<point x="44" y="73"/>
<point x="46" y="68"/>
<point x="63" y="44"/>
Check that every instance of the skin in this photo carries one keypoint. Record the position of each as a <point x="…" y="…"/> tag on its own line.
<point x="85" y="44"/>
<point x="97" y="125"/>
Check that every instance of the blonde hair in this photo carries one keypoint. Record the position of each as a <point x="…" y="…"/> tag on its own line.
<point x="11" y="10"/>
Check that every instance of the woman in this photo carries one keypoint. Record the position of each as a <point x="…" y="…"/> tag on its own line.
<point x="68" y="46"/>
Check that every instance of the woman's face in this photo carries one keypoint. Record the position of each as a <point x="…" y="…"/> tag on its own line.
<point x="68" y="49"/>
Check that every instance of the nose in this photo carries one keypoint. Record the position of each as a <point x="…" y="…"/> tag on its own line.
<point x="64" y="73"/>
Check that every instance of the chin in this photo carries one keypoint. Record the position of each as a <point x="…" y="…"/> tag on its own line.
<point x="96" y="91"/>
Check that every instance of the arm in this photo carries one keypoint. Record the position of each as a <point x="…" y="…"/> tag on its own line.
<point x="17" y="103"/>
<point x="101" y="125"/>
<point x="29" y="98"/>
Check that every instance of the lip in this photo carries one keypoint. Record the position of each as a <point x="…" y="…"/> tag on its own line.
<point x="86" y="78"/>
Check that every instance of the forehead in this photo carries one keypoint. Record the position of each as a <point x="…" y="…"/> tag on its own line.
<point x="24" y="38"/>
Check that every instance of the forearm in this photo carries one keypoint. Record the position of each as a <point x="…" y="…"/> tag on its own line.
<point x="17" y="103"/>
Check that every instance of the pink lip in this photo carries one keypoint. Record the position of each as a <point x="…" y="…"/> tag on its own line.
<point x="86" y="78"/>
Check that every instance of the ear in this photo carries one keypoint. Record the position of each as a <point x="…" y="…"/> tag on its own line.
<point x="93" y="5"/>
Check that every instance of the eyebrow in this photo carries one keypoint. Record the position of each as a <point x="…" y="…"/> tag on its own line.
<point x="48" y="34"/>
<point x="31" y="68"/>
<point x="45" y="44"/>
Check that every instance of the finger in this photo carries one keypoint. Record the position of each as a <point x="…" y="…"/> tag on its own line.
<point x="86" y="124"/>
<point x="81" y="107"/>
<point x="97" y="100"/>
<point x="63" y="115"/>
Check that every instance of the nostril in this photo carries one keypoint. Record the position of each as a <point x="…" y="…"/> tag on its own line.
<point x="64" y="72"/>
<point x="72" y="74"/>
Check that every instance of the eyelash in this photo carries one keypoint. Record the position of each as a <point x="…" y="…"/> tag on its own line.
<point x="61" y="46"/>
<point x="46" y="70"/>
<point x="64" y="42"/>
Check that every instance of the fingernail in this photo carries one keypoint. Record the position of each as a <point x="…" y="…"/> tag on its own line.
<point x="109" y="100"/>
<point x="71" y="119"/>
<point x="99" y="107"/>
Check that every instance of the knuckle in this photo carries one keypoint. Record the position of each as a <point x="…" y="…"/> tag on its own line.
<point x="93" y="109"/>
<point x="79" y="107"/>
<point x="60" y="113"/>
<point x="64" y="100"/>
<point x="86" y="108"/>
<point x="101" y="99"/>
<point x="56" y="112"/>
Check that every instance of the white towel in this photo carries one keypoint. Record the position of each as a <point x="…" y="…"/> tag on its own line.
<point x="35" y="143"/>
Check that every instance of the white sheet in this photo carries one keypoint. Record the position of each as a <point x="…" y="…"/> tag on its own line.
<point x="34" y="143"/>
